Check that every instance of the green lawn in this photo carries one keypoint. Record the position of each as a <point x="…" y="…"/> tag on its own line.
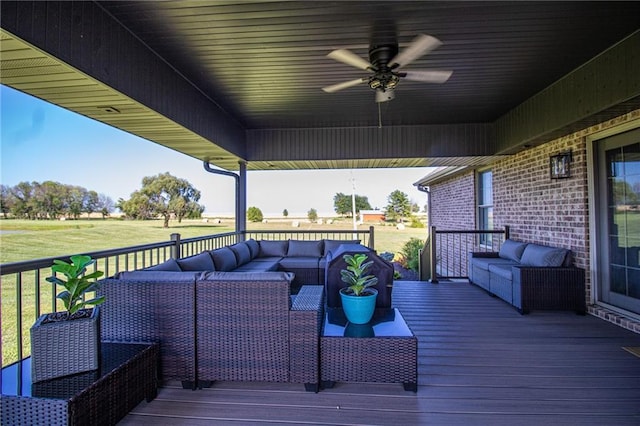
<point x="25" y="240"/>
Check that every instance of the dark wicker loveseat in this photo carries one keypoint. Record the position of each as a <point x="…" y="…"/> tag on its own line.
<point x="530" y="277"/>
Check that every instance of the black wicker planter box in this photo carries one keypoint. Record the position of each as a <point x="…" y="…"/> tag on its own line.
<point x="65" y="347"/>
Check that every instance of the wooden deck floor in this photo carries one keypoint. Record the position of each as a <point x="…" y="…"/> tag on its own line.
<point x="480" y="363"/>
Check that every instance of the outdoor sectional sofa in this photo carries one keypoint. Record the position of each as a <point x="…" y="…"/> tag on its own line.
<point x="228" y="313"/>
<point x="530" y="276"/>
<point x="306" y="259"/>
<point x="212" y="326"/>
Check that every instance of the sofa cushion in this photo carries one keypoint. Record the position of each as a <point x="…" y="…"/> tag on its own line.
<point x="246" y="276"/>
<point x="299" y="248"/>
<point x="167" y="265"/>
<point x="538" y="255"/>
<point x="501" y="270"/>
<point x="224" y="258"/>
<point x="257" y="266"/>
<point x="484" y="262"/>
<point x="512" y="249"/>
<point x="273" y="248"/>
<point x="332" y="245"/>
<point x="254" y="248"/>
<point x="199" y="262"/>
<point x="242" y="252"/>
<point x="160" y="276"/>
<point x="299" y="262"/>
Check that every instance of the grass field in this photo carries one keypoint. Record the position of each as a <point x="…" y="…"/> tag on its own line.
<point x="26" y="240"/>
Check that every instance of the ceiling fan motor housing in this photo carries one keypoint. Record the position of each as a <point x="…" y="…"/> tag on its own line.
<point x="380" y="55"/>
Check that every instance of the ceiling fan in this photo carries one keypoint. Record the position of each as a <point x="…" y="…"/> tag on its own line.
<point x="385" y="63"/>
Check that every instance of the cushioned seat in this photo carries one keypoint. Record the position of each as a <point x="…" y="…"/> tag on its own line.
<point x="258" y="266"/>
<point x="530" y="276"/>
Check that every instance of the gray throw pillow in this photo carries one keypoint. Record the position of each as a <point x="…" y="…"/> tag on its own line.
<point x="199" y="262"/>
<point x="242" y="252"/>
<point x="168" y="265"/>
<point x="537" y="255"/>
<point x="512" y="250"/>
<point x="254" y="248"/>
<point x="224" y="259"/>
<point x="305" y="248"/>
<point x="273" y="248"/>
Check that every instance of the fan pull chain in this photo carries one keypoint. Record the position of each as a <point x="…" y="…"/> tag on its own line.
<point x="379" y="117"/>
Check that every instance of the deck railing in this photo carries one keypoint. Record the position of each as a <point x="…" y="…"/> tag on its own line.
<point x="446" y="252"/>
<point x="26" y="294"/>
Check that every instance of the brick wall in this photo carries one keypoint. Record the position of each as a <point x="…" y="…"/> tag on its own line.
<point x="453" y="203"/>
<point x="537" y="208"/>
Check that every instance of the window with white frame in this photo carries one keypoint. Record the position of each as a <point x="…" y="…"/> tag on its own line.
<point x="485" y="205"/>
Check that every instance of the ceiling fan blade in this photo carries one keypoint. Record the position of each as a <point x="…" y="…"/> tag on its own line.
<point x="343" y="85"/>
<point x="419" y="46"/>
<point x="348" y="57"/>
<point x="431" y="76"/>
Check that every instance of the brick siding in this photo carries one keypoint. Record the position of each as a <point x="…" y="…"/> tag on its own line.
<point x="537" y="208"/>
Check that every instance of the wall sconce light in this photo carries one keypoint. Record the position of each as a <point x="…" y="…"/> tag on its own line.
<point x="560" y="165"/>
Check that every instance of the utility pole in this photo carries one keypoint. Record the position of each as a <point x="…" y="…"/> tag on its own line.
<point x="353" y="201"/>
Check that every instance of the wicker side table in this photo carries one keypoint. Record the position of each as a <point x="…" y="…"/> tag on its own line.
<point x="127" y="375"/>
<point x="385" y="350"/>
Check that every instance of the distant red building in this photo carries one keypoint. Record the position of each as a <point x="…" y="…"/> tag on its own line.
<point x="372" y="216"/>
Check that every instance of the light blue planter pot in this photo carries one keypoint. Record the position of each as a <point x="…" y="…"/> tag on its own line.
<point x="359" y="309"/>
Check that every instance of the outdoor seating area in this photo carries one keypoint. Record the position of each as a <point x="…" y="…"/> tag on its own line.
<point x="522" y="306"/>
<point x="530" y="276"/>
<point x="479" y="362"/>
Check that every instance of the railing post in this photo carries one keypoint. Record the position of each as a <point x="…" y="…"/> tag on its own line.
<point x="372" y="244"/>
<point x="432" y="248"/>
<point x="506" y="232"/>
<point x="175" y="248"/>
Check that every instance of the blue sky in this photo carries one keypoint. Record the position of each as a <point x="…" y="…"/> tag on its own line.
<point x="40" y="141"/>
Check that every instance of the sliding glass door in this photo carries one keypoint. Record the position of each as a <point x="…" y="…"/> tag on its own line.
<point x="619" y="220"/>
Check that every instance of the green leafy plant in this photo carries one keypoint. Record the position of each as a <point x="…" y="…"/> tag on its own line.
<point x="411" y="254"/>
<point x="77" y="283"/>
<point x="355" y="276"/>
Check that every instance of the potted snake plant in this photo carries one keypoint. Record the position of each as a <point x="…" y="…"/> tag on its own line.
<point x="64" y="343"/>
<point x="358" y="297"/>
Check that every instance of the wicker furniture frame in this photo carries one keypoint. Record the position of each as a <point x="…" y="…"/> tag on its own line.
<point x="127" y="376"/>
<point x="533" y="287"/>
<point x="385" y="359"/>
<point x="155" y="310"/>
<point x="251" y="331"/>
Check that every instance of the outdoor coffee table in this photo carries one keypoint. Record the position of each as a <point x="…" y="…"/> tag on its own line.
<point x="384" y="350"/>
<point x="127" y="375"/>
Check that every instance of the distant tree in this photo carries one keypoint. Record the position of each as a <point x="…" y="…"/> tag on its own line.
<point x="312" y="214"/>
<point x="415" y="208"/>
<point x="161" y="195"/>
<point x="398" y="206"/>
<point x="285" y="213"/>
<point x="91" y="202"/>
<point x="23" y="194"/>
<point x="105" y="205"/>
<point x="342" y="204"/>
<point x="51" y="200"/>
<point x="76" y="197"/>
<point x="6" y="200"/>
<point x="254" y="214"/>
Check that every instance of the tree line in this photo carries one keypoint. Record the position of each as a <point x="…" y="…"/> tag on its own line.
<point x="51" y="200"/>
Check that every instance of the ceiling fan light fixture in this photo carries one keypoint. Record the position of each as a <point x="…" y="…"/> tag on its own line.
<point x="384" y="81"/>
